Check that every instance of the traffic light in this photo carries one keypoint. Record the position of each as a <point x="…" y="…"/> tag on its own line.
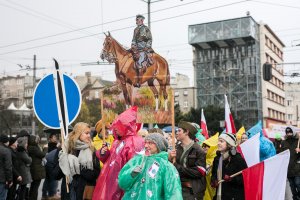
<point x="267" y="71"/>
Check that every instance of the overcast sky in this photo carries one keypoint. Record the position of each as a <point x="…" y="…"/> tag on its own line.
<point x="50" y="29"/>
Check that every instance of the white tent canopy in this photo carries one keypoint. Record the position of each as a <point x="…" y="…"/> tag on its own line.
<point x="24" y="107"/>
<point x="12" y="107"/>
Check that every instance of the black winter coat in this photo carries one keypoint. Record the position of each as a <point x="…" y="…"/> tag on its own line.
<point x="15" y="163"/>
<point x="294" y="166"/>
<point x="36" y="168"/>
<point x="234" y="189"/>
<point x="24" y="165"/>
<point x="195" y="157"/>
<point x="5" y="164"/>
<point x="86" y="177"/>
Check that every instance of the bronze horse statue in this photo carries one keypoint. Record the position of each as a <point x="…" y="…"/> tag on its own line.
<point x="114" y="52"/>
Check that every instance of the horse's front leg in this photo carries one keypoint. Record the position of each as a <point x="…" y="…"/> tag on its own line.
<point x="125" y="93"/>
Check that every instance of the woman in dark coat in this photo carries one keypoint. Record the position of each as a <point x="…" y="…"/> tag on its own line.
<point x="23" y="167"/>
<point x="36" y="168"/>
<point x="226" y="163"/>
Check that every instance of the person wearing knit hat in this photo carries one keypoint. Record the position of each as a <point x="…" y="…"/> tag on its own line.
<point x="17" y="178"/>
<point x="6" y="175"/>
<point x="161" y="144"/>
<point x="12" y="140"/>
<point x="290" y="142"/>
<point x="4" y="139"/>
<point x="189" y="161"/>
<point x="23" y="166"/>
<point x="151" y="175"/>
<point x="228" y="162"/>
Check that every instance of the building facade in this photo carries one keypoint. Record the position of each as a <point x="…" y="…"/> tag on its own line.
<point x="184" y="94"/>
<point x="228" y="58"/>
<point x="292" y="94"/>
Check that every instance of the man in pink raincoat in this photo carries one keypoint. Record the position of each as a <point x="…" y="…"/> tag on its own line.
<point x="126" y="144"/>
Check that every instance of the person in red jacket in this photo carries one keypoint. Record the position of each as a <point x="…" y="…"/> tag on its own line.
<point x="126" y="144"/>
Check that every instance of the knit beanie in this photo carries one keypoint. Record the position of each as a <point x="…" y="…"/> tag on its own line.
<point x="160" y="142"/>
<point x="229" y="138"/>
<point x="290" y="130"/>
<point x="4" y="138"/>
<point x="12" y="140"/>
<point x="188" y="126"/>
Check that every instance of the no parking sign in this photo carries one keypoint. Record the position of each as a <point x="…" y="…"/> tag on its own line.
<point x="57" y="100"/>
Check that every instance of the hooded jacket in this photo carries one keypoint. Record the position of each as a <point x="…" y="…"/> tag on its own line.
<point x="158" y="179"/>
<point x="36" y="168"/>
<point x="291" y="143"/>
<point x="124" y="147"/>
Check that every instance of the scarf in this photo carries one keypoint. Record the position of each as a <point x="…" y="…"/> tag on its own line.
<point x="223" y="157"/>
<point x="70" y="164"/>
<point x="85" y="157"/>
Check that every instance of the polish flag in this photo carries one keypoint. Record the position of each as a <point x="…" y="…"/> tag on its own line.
<point x="203" y="125"/>
<point x="250" y="150"/>
<point x="267" y="179"/>
<point x="229" y="123"/>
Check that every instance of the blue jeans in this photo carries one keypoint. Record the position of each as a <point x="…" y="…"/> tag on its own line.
<point x="295" y="187"/>
<point x="3" y="191"/>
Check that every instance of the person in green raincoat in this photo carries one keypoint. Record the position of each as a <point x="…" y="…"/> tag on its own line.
<point x="151" y="176"/>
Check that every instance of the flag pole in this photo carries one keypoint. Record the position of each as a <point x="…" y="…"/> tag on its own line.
<point x="62" y="113"/>
<point x="103" y="118"/>
<point x="233" y="175"/>
<point x="173" y="122"/>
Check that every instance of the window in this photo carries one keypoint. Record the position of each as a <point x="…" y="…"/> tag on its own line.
<point x="290" y="116"/>
<point x="185" y="104"/>
<point x="289" y="102"/>
<point x="176" y="94"/>
<point x="185" y="93"/>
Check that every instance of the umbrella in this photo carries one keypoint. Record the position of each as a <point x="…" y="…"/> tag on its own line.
<point x="168" y="129"/>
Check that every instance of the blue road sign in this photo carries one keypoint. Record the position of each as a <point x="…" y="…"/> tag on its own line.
<point x="46" y="101"/>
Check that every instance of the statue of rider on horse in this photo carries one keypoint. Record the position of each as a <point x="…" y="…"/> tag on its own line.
<point x="141" y="48"/>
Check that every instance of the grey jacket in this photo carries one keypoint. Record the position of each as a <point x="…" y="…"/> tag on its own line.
<point x="5" y="164"/>
<point x="24" y="166"/>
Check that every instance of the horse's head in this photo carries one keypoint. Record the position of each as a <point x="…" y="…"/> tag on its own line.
<point x="108" y="51"/>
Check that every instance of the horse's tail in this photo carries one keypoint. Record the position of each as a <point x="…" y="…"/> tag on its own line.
<point x="168" y="76"/>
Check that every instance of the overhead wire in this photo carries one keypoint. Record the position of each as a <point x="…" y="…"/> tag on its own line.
<point x="118" y="29"/>
<point x="101" y="24"/>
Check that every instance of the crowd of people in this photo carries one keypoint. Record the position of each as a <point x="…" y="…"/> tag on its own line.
<point x="130" y="164"/>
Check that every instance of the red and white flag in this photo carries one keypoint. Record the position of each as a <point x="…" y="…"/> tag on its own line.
<point x="267" y="179"/>
<point x="250" y="150"/>
<point x="203" y="125"/>
<point x="229" y="123"/>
